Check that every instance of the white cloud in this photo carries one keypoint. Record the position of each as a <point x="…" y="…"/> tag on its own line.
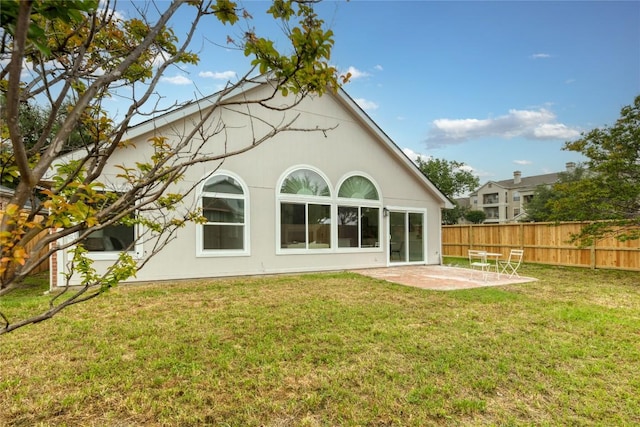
<point x="356" y="74"/>
<point x="540" y="56"/>
<point x="365" y="104"/>
<point x="177" y="80"/>
<point x="413" y="155"/>
<point x="554" y="131"/>
<point x="117" y="14"/>
<point x="224" y="75"/>
<point x="523" y="162"/>
<point x="159" y="59"/>
<point x="378" y="67"/>
<point x="530" y="124"/>
<point x="467" y="168"/>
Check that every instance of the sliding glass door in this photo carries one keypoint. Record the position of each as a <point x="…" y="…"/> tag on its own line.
<point x="398" y="233"/>
<point x="406" y="242"/>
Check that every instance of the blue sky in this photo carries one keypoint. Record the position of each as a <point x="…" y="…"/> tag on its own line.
<point x="497" y="85"/>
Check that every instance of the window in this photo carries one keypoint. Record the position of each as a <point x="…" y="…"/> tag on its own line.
<point x="305" y="226"/>
<point x="516" y="196"/>
<point x="305" y="211"/>
<point x="358" y="214"/>
<point x="224" y="207"/>
<point x="490" y="199"/>
<point x="358" y="187"/>
<point x="492" y="213"/>
<point x="305" y="182"/>
<point x="112" y="238"/>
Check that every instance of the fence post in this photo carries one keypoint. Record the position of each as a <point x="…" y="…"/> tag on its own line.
<point x="521" y="236"/>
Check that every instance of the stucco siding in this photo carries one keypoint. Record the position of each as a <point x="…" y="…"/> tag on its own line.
<point x="351" y="148"/>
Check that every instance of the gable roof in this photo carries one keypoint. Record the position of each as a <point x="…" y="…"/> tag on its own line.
<point x="526" y="183"/>
<point x="341" y="95"/>
<point x="529" y="181"/>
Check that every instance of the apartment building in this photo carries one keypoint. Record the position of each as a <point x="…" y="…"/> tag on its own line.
<point x="506" y="200"/>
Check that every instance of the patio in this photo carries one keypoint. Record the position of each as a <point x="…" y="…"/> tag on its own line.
<point x="440" y="278"/>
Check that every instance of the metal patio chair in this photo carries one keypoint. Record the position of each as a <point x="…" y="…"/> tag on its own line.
<point x="478" y="260"/>
<point x="511" y="265"/>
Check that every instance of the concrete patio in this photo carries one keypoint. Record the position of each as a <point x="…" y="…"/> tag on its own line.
<point x="441" y="278"/>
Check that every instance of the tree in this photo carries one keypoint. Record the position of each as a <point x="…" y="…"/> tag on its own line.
<point x="68" y="57"/>
<point x="453" y="179"/>
<point x="609" y="188"/>
<point x="475" y="216"/>
<point x="32" y="120"/>
<point x="543" y="206"/>
<point x="538" y="209"/>
<point x="452" y="216"/>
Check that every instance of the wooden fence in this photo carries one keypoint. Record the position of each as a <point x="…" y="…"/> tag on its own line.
<point x="543" y="243"/>
<point x="44" y="266"/>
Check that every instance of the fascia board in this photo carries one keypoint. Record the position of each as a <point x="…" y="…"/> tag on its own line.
<point x="189" y="109"/>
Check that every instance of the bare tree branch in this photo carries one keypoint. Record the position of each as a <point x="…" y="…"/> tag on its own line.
<point x="74" y="188"/>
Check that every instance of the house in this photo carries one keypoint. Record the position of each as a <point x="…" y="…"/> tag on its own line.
<point x="302" y="201"/>
<point x="506" y="200"/>
<point x="5" y="196"/>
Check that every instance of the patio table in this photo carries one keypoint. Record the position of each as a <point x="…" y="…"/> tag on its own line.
<point x="495" y="257"/>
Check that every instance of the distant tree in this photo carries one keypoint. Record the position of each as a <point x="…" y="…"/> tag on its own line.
<point x="68" y="57"/>
<point x="475" y="216"/>
<point x="449" y="176"/>
<point x="543" y="205"/>
<point x="32" y="119"/>
<point x="538" y="209"/>
<point x="452" y="179"/>
<point x="611" y="188"/>
<point x="453" y="216"/>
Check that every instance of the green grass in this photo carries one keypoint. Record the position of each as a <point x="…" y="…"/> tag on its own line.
<point x="332" y="349"/>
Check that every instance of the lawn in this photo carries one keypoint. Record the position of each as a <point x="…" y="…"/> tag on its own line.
<point x="334" y="349"/>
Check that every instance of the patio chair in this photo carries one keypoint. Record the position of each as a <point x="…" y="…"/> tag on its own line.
<point x="478" y="260"/>
<point x="511" y="265"/>
<point x="396" y="248"/>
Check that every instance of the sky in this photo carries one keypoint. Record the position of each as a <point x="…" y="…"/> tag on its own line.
<point x="497" y="85"/>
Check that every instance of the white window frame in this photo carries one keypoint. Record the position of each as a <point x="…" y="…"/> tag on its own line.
<point x="306" y="200"/>
<point x="407" y="210"/>
<point x="215" y="253"/>
<point x="138" y="247"/>
<point x="359" y="203"/>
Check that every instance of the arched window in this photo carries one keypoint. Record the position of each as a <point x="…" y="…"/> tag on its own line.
<point x="358" y="187"/>
<point x="358" y="213"/>
<point x="305" y="182"/>
<point x="224" y="206"/>
<point x="305" y="211"/>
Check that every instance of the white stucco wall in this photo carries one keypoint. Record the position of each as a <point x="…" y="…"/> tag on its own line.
<point x="353" y="147"/>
